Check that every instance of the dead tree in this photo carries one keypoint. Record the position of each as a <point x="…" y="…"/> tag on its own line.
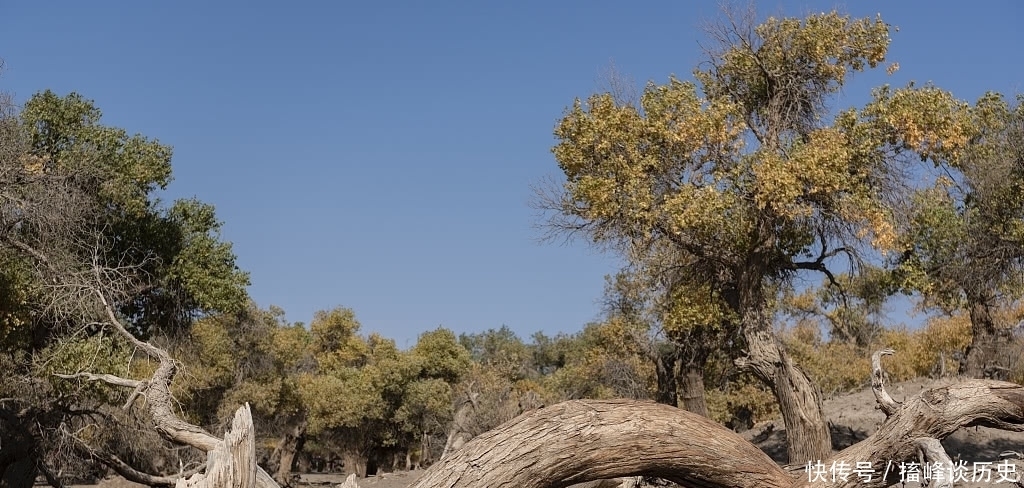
<point x="228" y="460"/>
<point x="233" y="463"/>
<point x="585" y="440"/>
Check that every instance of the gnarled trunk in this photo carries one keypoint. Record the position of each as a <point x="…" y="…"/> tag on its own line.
<point x="585" y="440"/>
<point x="235" y="459"/>
<point x="799" y="400"/>
<point x="232" y="462"/>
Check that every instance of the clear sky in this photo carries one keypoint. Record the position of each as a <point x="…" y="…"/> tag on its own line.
<point x="379" y="155"/>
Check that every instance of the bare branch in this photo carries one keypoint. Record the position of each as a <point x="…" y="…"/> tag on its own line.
<point x="106" y="378"/>
<point x="135" y="394"/>
<point x="931" y="451"/>
<point x="885" y="402"/>
<point x="126" y="470"/>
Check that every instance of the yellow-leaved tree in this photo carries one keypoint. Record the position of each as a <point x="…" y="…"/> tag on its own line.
<point x="727" y="187"/>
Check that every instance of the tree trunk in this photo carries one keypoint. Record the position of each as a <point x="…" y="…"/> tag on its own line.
<point x="692" y="390"/>
<point x="19" y="451"/>
<point x="232" y="463"/>
<point x="355" y="462"/>
<point x="666" y="362"/>
<point x="424" y="458"/>
<point x="586" y="440"/>
<point x="799" y="400"/>
<point x="287" y="449"/>
<point x="988" y="341"/>
<point x="459" y="430"/>
<point x="160" y="404"/>
<point x="912" y="430"/>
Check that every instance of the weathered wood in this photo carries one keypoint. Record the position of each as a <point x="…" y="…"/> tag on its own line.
<point x="350" y="482"/>
<point x="585" y="440"/>
<point x="933" y="415"/>
<point x="238" y="445"/>
<point x="232" y="463"/>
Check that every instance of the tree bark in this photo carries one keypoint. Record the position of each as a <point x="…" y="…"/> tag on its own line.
<point x="232" y="463"/>
<point x="586" y="440"/>
<point x="983" y="357"/>
<point x="692" y="390"/>
<point x="799" y="400"/>
<point x="160" y="402"/>
<point x="459" y="431"/>
<point x="914" y="428"/>
<point x="666" y="362"/>
<point x="287" y="449"/>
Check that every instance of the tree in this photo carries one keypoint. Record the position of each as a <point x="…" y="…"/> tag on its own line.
<point x="427" y="408"/>
<point x="366" y="398"/>
<point x="89" y="256"/>
<point x="251" y="357"/>
<point x="963" y="243"/>
<point x="676" y="337"/>
<point x="729" y="187"/>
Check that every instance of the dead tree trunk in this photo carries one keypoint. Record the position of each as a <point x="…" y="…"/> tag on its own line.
<point x="586" y="440"/>
<point x="232" y="464"/>
<point x="912" y="430"/>
<point x="459" y="432"/>
<point x="160" y="402"/>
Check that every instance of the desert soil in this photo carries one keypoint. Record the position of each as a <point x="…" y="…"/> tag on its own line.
<point x="852" y="416"/>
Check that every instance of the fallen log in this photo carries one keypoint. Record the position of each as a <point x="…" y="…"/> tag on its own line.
<point x="586" y="440"/>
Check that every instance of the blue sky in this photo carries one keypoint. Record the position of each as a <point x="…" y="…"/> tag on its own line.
<point x="379" y="155"/>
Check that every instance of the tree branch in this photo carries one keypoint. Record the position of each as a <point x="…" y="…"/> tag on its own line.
<point x="106" y="378"/>
<point x="129" y="472"/>
<point x="584" y="440"/>
<point x="885" y="402"/>
<point x="167" y="422"/>
<point x="160" y="400"/>
<point x="930" y="450"/>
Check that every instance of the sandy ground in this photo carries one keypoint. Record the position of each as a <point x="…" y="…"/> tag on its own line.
<point x="852" y="417"/>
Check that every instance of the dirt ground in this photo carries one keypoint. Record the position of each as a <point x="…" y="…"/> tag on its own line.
<point x="853" y="417"/>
